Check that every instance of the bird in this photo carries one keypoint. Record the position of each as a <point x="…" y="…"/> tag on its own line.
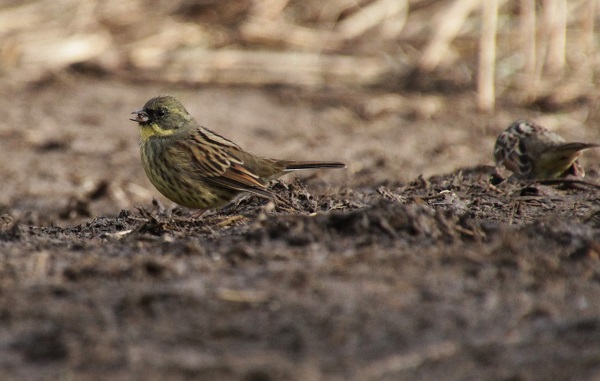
<point x="532" y="152"/>
<point x="198" y="168"/>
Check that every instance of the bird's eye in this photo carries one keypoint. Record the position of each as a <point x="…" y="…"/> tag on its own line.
<point x="161" y="112"/>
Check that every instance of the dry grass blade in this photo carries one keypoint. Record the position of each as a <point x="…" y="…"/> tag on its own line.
<point x="269" y="9"/>
<point x="449" y="21"/>
<point x="587" y="23"/>
<point x="555" y="22"/>
<point x="60" y="51"/>
<point x="242" y="296"/>
<point x="529" y="50"/>
<point x="263" y="68"/>
<point x="44" y="12"/>
<point x="282" y="33"/>
<point x="389" y="14"/>
<point x="396" y="364"/>
<point x="487" y="56"/>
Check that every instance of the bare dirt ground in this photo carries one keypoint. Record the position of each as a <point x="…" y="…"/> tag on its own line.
<point x="417" y="262"/>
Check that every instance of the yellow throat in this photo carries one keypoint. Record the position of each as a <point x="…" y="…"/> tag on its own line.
<point x="150" y="130"/>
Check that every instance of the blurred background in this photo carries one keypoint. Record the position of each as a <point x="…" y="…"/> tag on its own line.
<point x="397" y="88"/>
<point x="534" y="49"/>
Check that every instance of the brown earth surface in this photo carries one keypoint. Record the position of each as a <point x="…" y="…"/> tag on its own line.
<point x="417" y="262"/>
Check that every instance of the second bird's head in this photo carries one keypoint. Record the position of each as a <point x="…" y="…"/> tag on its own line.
<point x="161" y="116"/>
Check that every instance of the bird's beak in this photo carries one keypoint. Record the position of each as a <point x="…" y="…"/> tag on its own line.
<point x="142" y="116"/>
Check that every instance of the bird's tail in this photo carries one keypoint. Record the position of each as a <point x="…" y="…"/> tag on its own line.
<point x="297" y="165"/>
<point x="575" y="147"/>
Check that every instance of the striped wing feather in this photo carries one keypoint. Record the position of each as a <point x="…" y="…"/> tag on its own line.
<point x="214" y="162"/>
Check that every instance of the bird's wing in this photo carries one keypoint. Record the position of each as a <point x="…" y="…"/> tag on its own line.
<point x="239" y="177"/>
<point x="215" y="163"/>
<point x="575" y="146"/>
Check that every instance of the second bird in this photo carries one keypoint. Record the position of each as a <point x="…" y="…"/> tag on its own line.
<point x="197" y="168"/>
<point x="532" y="152"/>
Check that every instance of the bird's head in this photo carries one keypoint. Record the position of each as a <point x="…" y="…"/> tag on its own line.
<point x="161" y="116"/>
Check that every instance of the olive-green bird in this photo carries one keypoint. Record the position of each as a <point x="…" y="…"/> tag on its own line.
<point x="532" y="152"/>
<point x="197" y="168"/>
